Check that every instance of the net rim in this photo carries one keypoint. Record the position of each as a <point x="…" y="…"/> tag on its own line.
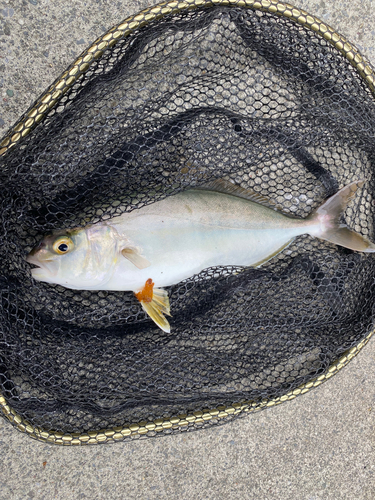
<point x="178" y="422"/>
<point x="56" y="91"/>
<point x="50" y="98"/>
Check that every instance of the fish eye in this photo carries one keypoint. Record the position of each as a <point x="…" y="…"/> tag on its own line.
<point x="63" y="245"/>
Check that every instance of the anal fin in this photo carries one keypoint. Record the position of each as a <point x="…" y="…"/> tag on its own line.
<point x="155" y="302"/>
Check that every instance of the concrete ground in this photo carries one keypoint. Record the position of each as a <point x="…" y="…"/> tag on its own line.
<point x="318" y="447"/>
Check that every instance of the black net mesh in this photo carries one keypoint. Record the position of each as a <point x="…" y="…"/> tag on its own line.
<point x="232" y="93"/>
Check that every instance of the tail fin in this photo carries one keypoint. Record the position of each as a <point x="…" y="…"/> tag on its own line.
<point x="328" y="218"/>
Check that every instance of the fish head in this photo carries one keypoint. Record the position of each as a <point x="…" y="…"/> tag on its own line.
<point x="81" y="258"/>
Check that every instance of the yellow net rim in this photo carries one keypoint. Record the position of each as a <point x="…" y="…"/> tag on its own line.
<point x="177" y="422"/>
<point x="53" y="95"/>
<point x="50" y="99"/>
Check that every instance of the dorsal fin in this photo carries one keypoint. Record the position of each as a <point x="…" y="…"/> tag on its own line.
<point x="226" y="187"/>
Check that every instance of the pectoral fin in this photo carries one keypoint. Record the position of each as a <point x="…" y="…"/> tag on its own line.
<point x="135" y="257"/>
<point x="155" y="302"/>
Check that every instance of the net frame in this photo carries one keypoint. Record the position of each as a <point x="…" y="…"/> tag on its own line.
<point x="51" y="97"/>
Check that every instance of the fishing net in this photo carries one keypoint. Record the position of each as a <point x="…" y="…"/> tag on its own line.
<point x="256" y="93"/>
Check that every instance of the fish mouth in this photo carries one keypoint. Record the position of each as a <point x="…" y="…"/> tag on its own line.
<point x="31" y="259"/>
<point x="33" y="266"/>
<point x="40" y="270"/>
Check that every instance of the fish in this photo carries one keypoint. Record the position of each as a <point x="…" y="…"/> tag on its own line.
<point x="163" y="243"/>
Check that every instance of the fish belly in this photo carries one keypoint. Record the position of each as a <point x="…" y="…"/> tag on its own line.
<point x="178" y="249"/>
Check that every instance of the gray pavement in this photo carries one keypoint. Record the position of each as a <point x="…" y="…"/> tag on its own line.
<point x="318" y="447"/>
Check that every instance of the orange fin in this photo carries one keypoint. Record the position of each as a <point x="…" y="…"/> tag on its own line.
<point x="155" y="302"/>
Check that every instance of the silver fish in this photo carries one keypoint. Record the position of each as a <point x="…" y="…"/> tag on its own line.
<point x="170" y="240"/>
